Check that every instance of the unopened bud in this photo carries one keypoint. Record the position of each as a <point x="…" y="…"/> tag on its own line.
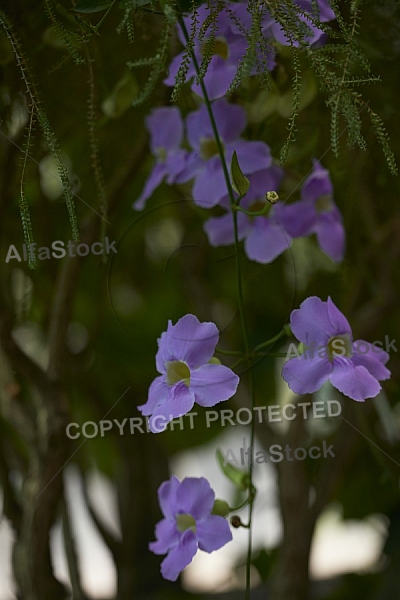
<point x="236" y="521"/>
<point x="272" y="197"/>
<point x="287" y="329"/>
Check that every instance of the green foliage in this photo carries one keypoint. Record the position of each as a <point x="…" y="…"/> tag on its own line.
<point x="158" y="62"/>
<point x="187" y="56"/>
<point x="37" y="112"/>
<point x="208" y="46"/>
<point x="221" y="508"/>
<point x="240" y="183"/>
<point x="335" y="65"/>
<point x="296" y="90"/>
<point x="238" y="477"/>
<point x="68" y="39"/>
<point x="265" y="562"/>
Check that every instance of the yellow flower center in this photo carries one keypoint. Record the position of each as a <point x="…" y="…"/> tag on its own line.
<point x="208" y="148"/>
<point x="184" y="522"/>
<point x="339" y="345"/>
<point x="161" y="154"/>
<point x="221" y="48"/>
<point x="324" y="204"/>
<point x="178" y="371"/>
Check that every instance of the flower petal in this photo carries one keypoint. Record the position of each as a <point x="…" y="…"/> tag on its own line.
<point x="180" y="402"/>
<point x="217" y="79"/>
<point x="158" y="393"/>
<point x="325" y="13"/>
<point x="195" y="497"/>
<point x="175" y="164"/>
<point x="299" y="218"/>
<point x="317" y="184"/>
<point x="174" y="68"/>
<point x="220" y="232"/>
<point x="266" y="180"/>
<point x="373" y="360"/>
<point x="212" y="384"/>
<point x="156" y="176"/>
<point x="337" y="318"/>
<point x="331" y="236"/>
<point x="167" y="537"/>
<point x="311" y="322"/>
<point x="167" y="497"/>
<point x="266" y="241"/>
<point x="252" y="156"/>
<point x="353" y="381"/>
<point x="230" y="119"/>
<point x="213" y="533"/>
<point x="191" y="341"/>
<point x="166" y="128"/>
<point x="179" y="557"/>
<point x="210" y="186"/>
<point x="306" y="375"/>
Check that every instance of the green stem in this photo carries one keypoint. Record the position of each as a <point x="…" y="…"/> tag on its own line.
<point x="239" y="286"/>
<point x="103" y="18"/>
<point x="254" y="213"/>
<point x="229" y="352"/>
<point x="282" y="333"/>
<point x="274" y="354"/>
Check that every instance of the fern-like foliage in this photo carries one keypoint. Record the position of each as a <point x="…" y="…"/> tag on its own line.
<point x="187" y="56"/>
<point x="126" y="24"/>
<point x="337" y="64"/>
<point x="69" y="39"/>
<point x="38" y="114"/>
<point x="159" y="65"/>
<point x="343" y="98"/>
<point x="208" y="46"/>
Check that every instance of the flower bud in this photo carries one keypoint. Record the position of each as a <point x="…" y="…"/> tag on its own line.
<point x="272" y="197"/>
<point x="236" y="521"/>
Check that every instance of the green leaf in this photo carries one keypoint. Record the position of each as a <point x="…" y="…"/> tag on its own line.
<point x="238" y="477"/>
<point x="240" y="183"/>
<point x="221" y="508"/>
<point x="92" y="6"/>
<point x="264" y="562"/>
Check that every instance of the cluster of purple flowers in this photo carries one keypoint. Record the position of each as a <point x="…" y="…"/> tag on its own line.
<point x="266" y="237"/>
<point x="230" y="31"/>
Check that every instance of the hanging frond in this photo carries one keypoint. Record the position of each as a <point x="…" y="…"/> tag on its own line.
<point x="48" y="134"/>
<point x="68" y="38"/>
<point x="159" y="65"/>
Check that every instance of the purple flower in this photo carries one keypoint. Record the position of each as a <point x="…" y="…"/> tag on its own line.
<point x="230" y="48"/>
<point x="166" y="130"/>
<point x="331" y="354"/>
<point x="187" y="525"/>
<point x="317" y="212"/>
<point x="265" y="237"/>
<point x="187" y="376"/>
<point x="204" y="163"/>
<point x="313" y="34"/>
